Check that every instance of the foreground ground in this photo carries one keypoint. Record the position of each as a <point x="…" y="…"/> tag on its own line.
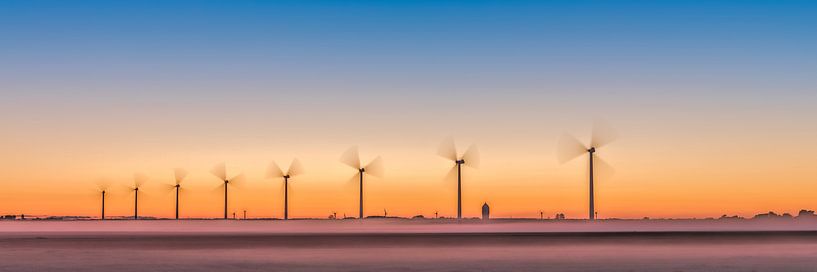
<point x="276" y="246"/>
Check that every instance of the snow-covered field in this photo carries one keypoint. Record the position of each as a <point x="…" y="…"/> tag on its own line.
<point x="400" y="245"/>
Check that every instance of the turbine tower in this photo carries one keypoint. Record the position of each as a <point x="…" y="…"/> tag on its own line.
<point x="571" y="148"/>
<point x="375" y="168"/>
<point x="470" y="158"/>
<point x="275" y="171"/>
<point x="220" y="171"/>
<point x="103" y="204"/>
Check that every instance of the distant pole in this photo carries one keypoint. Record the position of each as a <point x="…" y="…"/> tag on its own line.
<point x="361" y="193"/>
<point x="245" y="214"/>
<point x="592" y="208"/>
<point x="136" y="204"/>
<point x="103" y="205"/>
<point x="225" y="199"/>
<point x="459" y="190"/>
<point x="286" y="197"/>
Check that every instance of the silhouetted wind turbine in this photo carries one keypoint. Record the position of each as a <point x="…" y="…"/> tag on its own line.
<point x="571" y="148"/>
<point x="275" y="171"/>
<point x="375" y="168"/>
<point x="138" y="181"/>
<point x="220" y="171"/>
<point x="103" y="205"/>
<point x="103" y="189"/>
<point x="179" y="175"/>
<point x="470" y="158"/>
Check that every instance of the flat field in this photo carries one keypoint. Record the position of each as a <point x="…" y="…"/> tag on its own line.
<point x="322" y="245"/>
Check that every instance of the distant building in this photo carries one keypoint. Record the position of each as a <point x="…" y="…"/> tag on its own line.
<point x="486" y="211"/>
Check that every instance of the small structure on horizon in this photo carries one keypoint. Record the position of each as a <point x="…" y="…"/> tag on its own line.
<point x="486" y="211"/>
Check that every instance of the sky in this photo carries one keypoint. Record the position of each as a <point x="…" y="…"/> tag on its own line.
<point x="713" y="102"/>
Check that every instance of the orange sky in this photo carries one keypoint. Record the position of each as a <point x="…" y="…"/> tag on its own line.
<point x="663" y="168"/>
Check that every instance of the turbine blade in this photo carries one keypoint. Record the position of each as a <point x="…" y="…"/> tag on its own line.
<point x="451" y="175"/>
<point x="603" y="134"/>
<point x="471" y="156"/>
<point x="351" y="157"/>
<point x="351" y="184"/>
<point x="179" y="174"/>
<point x="569" y="148"/>
<point x="274" y="171"/>
<point x="220" y="171"/>
<point x="168" y="188"/>
<point x="238" y="180"/>
<point x="218" y="190"/>
<point x="139" y="180"/>
<point x="295" y="168"/>
<point x="448" y="149"/>
<point x="375" y="167"/>
<point x="103" y="185"/>
<point x="602" y="169"/>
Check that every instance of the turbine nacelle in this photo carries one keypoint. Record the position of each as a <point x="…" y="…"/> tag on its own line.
<point x="592" y="150"/>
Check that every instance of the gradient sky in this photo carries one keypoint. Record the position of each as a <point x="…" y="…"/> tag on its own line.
<point x="713" y="102"/>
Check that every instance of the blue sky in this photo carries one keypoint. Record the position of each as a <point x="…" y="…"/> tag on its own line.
<point x="518" y="44"/>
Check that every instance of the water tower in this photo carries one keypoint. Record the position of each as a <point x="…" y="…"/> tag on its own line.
<point x="486" y="211"/>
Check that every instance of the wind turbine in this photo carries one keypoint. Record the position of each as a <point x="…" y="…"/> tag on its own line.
<point x="103" y="204"/>
<point x="375" y="168"/>
<point x="220" y="171"/>
<point x="138" y="181"/>
<point x="275" y="171"/>
<point x="470" y="158"/>
<point x="102" y="189"/>
<point x="179" y="175"/>
<point x="571" y="148"/>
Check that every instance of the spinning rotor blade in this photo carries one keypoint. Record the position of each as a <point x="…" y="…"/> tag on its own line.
<point x="375" y="167"/>
<point x="351" y="157"/>
<point x="168" y="188"/>
<point x="603" y="134"/>
<point x="351" y="184"/>
<point x="103" y="185"/>
<point x="274" y="171"/>
<point x="295" y="168"/>
<point x="471" y="156"/>
<point x="602" y="169"/>
<point x="237" y="180"/>
<point x="218" y="190"/>
<point x="220" y="171"/>
<point x="451" y="176"/>
<point x="569" y="148"/>
<point x="448" y="149"/>
<point x="139" y="180"/>
<point x="179" y="174"/>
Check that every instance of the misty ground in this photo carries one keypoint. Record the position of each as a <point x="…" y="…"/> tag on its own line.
<point x="404" y="246"/>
